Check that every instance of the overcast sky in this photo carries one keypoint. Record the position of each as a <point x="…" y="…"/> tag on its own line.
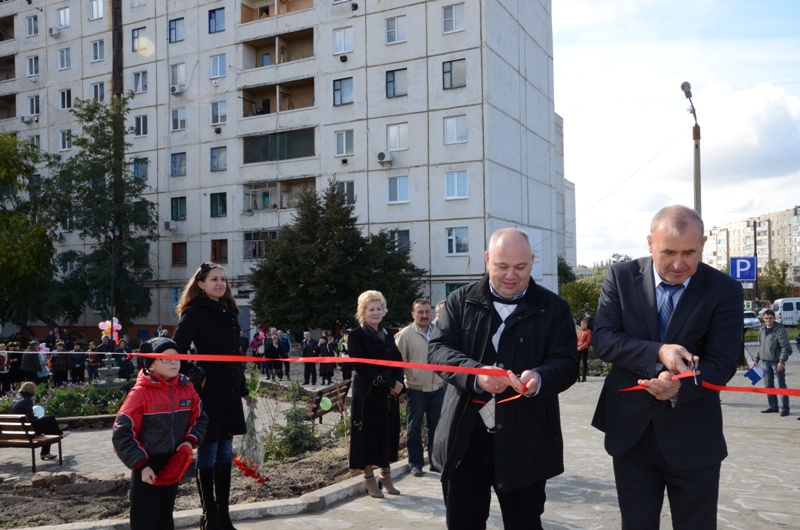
<point x="628" y="142"/>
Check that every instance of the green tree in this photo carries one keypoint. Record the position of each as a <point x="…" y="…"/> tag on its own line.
<point x="774" y="282"/>
<point x="565" y="273"/>
<point x="582" y="297"/>
<point x="313" y="273"/>
<point x="26" y="235"/>
<point x="99" y="196"/>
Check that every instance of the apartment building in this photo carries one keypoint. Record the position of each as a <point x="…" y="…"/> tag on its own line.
<point x="435" y="117"/>
<point x="773" y="235"/>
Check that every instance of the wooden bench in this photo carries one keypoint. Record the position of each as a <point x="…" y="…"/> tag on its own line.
<point x="337" y="393"/>
<point x="16" y="430"/>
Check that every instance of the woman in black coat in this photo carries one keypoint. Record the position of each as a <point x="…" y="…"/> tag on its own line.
<point x="209" y="318"/>
<point x="375" y="411"/>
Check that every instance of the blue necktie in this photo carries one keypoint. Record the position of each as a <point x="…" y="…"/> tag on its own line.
<point x="665" y="313"/>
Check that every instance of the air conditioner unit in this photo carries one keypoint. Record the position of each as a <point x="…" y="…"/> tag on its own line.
<point x="176" y="90"/>
<point x="385" y="157"/>
<point x="53" y="32"/>
<point x="170" y="225"/>
<point x="26" y="119"/>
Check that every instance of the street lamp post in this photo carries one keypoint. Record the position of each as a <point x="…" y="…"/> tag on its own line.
<point x="113" y="273"/>
<point x="687" y="91"/>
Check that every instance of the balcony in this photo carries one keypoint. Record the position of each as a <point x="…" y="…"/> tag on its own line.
<point x="7" y="28"/>
<point x="270" y="99"/>
<point x="8" y="69"/>
<point x="253" y="11"/>
<point x="280" y="49"/>
<point x="8" y="107"/>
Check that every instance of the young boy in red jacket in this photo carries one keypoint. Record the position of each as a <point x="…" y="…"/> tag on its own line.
<point x="159" y="424"/>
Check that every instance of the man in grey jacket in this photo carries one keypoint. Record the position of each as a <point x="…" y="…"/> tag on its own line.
<point x="774" y="350"/>
<point x="425" y="387"/>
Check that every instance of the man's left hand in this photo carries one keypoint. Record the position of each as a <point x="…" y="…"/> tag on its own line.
<point x="526" y="384"/>
<point x="661" y="387"/>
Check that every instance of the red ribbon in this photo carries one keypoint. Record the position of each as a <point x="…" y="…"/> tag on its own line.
<point x="722" y="388"/>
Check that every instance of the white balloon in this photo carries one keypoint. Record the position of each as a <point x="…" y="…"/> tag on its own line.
<point x="38" y="411"/>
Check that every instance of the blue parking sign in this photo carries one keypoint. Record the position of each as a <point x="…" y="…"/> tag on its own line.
<point x="743" y="269"/>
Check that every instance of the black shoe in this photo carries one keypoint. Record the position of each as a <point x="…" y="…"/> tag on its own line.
<point x="434" y="469"/>
<point x="48" y="456"/>
<point x="784" y="413"/>
<point x="768" y="411"/>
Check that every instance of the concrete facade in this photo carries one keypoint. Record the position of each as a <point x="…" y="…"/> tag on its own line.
<point x="458" y="94"/>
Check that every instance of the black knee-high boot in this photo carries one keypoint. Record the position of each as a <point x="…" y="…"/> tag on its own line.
<point x="222" y="484"/>
<point x="205" y="485"/>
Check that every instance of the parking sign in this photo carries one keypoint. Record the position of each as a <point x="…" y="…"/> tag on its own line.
<point x="743" y="269"/>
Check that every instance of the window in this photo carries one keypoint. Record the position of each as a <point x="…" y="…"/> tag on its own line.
<point x="344" y="143"/>
<point x="178" y="119"/>
<point x="36" y="141"/>
<point x="98" y="50"/>
<point x="219" y="250"/>
<point x="176" y="31"/>
<point x="255" y="243"/>
<point x="454" y="74"/>
<point x="397" y="136"/>
<point x="65" y="139"/>
<point x="33" y="65"/>
<point x="455" y="129"/>
<point x="178" y="208"/>
<point x="95" y="9"/>
<point x="140" y="82"/>
<point x="216" y="20"/>
<point x="32" y="25"/>
<point x="396" y="83"/>
<point x="453" y="18"/>
<point x="342" y="91"/>
<point x="179" y="253"/>
<point x="64" y="59"/>
<point x="402" y="240"/>
<point x="279" y="146"/>
<point x="219" y="112"/>
<point x="140" y="125"/>
<point x="398" y="189"/>
<point x="451" y="287"/>
<point x="177" y="165"/>
<point x="219" y="205"/>
<point x="395" y="29"/>
<point x="138" y="3"/>
<point x="219" y="158"/>
<point x="455" y="185"/>
<point x="98" y="91"/>
<point x="33" y="105"/>
<point x="65" y="99"/>
<point x="140" y="168"/>
<point x="342" y="40"/>
<point x="177" y="74"/>
<point x="347" y="188"/>
<point x="457" y="240"/>
<point x="136" y="39"/>
<point x="63" y="17"/>
<point x="218" y="68"/>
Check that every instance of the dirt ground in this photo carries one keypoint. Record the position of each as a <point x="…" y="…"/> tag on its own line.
<point x="288" y="478"/>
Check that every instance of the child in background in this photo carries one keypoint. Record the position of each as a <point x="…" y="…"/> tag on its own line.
<point x="161" y="402"/>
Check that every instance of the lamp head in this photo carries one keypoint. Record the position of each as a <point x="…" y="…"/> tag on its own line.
<point x="687" y="89"/>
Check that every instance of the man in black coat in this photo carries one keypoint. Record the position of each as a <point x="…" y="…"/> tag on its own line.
<point x="485" y="438"/>
<point x="657" y="317"/>
<point x="310" y="349"/>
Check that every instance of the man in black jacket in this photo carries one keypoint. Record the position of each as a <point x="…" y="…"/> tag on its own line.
<point x="310" y="349"/>
<point x="485" y="438"/>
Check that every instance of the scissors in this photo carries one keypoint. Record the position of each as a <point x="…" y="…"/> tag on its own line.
<point x="694" y="371"/>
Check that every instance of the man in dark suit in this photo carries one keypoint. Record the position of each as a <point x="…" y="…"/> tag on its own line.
<point x="656" y="317"/>
<point x="310" y="349"/>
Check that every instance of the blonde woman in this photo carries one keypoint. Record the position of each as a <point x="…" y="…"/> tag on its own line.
<point x="375" y="414"/>
<point x="209" y="318"/>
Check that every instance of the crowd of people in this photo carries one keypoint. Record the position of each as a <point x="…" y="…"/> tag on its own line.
<point x="505" y="338"/>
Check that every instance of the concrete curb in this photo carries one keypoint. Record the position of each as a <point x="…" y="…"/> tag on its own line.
<point x="310" y="502"/>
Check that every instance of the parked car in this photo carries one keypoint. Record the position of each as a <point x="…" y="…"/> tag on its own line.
<point x="751" y="321"/>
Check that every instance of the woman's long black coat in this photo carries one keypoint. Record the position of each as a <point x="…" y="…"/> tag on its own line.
<point x="214" y="329"/>
<point x="375" y="414"/>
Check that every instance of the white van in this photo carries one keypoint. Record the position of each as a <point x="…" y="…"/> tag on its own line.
<point x="787" y="310"/>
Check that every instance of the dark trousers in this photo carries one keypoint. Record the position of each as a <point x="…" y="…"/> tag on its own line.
<point x="286" y="365"/>
<point x="583" y="357"/>
<point x="152" y="506"/>
<point x="641" y="476"/>
<point x="419" y="405"/>
<point x="76" y="374"/>
<point x="46" y="425"/>
<point x="310" y="371"/>
<point x="467" y="492"/>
